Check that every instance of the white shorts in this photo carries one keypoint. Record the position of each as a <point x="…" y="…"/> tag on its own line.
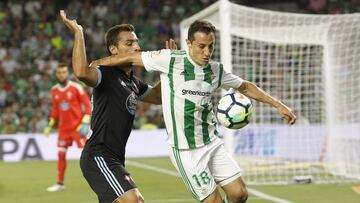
<point x="203" y="168"/>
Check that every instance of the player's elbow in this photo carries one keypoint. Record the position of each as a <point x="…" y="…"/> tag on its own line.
<point x="244" y="87"/>
<point x="158" y="101"/>
<point x="80" y="74"/>
<point x="153" y="98"/>
<point x="157" y="96"/>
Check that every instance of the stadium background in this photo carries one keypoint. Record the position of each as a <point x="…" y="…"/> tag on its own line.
<point x="33" y="41"/>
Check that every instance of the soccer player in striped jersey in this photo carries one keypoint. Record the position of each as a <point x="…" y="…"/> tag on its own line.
<point x="188" y="81"/>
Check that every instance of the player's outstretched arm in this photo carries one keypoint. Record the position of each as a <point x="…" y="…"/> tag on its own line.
<point x="81" y="70"/>
<point x="125" y="59"/>
<point x="251" y="90"/>
<point x="119" y="60"/>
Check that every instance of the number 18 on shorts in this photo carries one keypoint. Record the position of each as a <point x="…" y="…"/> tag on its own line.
<point x="203" y="168"/>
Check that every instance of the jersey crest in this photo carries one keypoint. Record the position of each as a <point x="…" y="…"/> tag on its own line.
<point x="131" y="103"/>
<point x="155" y="53"/>
<point x="64" y="106"/>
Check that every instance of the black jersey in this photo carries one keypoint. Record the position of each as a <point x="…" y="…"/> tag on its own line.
<point x="114" y="106"/>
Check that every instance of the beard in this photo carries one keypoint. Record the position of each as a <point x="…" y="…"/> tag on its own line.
<point x="62" y="82"/>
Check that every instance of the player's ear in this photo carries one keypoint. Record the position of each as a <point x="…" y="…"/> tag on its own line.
<point x="188" y="42"/>
<point x="113" y="50"/>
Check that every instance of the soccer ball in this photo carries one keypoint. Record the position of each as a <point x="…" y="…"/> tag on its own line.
<point x="234" y="110"/>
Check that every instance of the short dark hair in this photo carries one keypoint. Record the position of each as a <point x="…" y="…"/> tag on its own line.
<point x="61" y="65"/>
<point x="112" y="34"/>
<point x="200" y="26"/>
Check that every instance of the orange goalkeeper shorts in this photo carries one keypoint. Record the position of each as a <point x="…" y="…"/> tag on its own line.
<point x="66" y="138"/>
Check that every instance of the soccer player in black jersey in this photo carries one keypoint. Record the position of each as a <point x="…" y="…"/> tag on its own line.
<point x="115" y="95"/>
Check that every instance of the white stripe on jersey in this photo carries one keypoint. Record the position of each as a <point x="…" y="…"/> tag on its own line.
<point x="78" y="87"/>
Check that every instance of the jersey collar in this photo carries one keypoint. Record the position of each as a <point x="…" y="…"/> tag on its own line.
<point x="128" y="77"/>
<point x="61" y="88"/>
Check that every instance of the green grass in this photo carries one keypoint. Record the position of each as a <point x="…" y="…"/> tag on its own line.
<point x="27" y="182"/>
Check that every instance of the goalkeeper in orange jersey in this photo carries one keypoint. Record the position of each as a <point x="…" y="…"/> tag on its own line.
<point x="71" y="108"/>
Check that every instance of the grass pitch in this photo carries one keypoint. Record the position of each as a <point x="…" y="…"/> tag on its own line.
<point x="27" y="182"/>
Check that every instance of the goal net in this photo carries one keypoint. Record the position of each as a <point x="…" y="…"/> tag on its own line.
<point x="312" y="64"/>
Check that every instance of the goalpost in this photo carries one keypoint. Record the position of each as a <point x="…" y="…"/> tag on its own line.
<point x="312" y="64"/>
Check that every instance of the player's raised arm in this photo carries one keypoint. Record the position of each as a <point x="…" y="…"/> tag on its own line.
<point x="251" y="90"/>
<point x="86" y="74"/>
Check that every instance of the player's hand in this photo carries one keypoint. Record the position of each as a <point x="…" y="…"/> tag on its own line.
<point x="286" y="113"/>
<point x="84" y="127"/>
<point x="71" y="24"/>
<point x="95" y="63"/>
<point x="99" y="62"/>
<point x="48" y="129"/>
<point x="171" y="44"/>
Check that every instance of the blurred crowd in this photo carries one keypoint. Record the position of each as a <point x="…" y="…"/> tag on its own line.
<point x="330" y="6"/>
<point x="33" y="41"/>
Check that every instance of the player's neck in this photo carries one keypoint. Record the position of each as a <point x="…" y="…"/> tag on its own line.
<point x="64" y="84"/>
<point x="192" y="60"/>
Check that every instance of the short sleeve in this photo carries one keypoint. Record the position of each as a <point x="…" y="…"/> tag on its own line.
<point x="103" y="76"/>
<point x="230" y="80"/>
<point x="99" y="76"/>
<point x="156" y="60"/>
<point x="144" y="89"/>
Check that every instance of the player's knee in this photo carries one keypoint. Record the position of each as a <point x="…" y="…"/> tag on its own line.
<point x="215" y="197"/>
<point x="136" y="200"/>
<point x="131" y="197"/>
<point x="239" y="195"/>
<point x="130" y="200"/>
<point x="141" y="199"/>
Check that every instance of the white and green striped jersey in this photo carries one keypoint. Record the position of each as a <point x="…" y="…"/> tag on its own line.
<point x="186" y="90"/>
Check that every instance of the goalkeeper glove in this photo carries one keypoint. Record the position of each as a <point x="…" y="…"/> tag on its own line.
<point x="84" y="126"/>
<point x="48" y="129"/>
